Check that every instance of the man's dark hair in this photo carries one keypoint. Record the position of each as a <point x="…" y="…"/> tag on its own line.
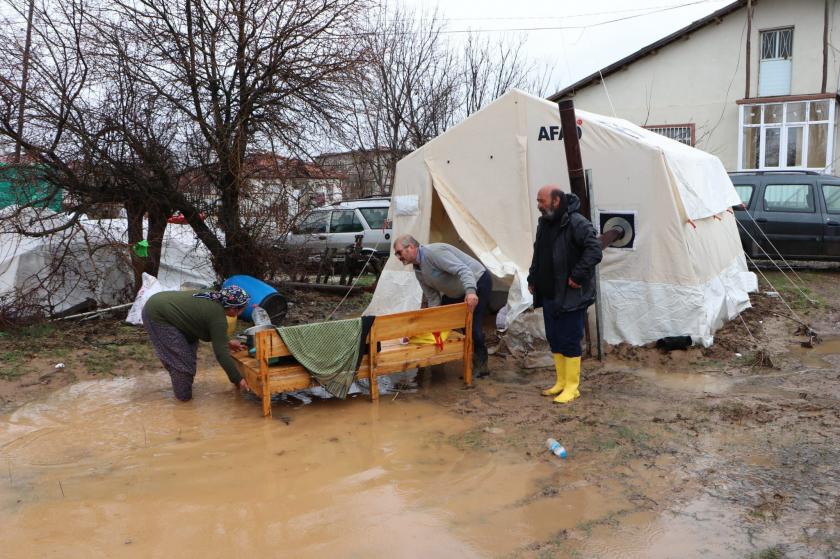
<point x="560" y="196"/>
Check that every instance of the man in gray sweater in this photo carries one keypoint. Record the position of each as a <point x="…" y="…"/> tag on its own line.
<point x="448" y="275"/>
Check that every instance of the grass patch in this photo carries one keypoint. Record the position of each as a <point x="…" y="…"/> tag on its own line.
<point x="138" y="352"/>
<point x="36" y="331"/>
<point x="797" y="294"/>
<point x="58" y="352"/>
<point x="769" y="553"/>
<point x="468" y="440"/>
<point x="98" y="364"/>
<point x="11" y="362"/>
<point x="604" y="443"/>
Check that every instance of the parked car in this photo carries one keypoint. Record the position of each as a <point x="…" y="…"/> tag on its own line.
<point x="797" y="211"/>
<point x="336" y="227"/>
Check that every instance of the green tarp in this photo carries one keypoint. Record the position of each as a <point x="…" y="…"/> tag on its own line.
<point x="328" y="350"/>
<point x="22" y="185"/>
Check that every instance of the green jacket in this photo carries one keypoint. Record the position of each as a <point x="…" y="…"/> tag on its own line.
<point x="196" y="318"/>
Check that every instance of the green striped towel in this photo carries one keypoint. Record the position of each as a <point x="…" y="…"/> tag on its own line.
<point x="328" y="350"/>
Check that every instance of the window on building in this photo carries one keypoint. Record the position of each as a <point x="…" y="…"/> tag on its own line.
<point x="788" y="198"/>
<point x="774" y="67"/>
<point x="777" y="43"/>
<point x="792" y="135"/>
<point x="683" y="133"/>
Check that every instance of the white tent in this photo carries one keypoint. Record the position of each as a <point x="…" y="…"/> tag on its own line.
<point x="475" y="186"/>
<point x="88" y="261"/>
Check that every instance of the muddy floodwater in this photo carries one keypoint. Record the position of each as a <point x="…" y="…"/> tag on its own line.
<point x="663" y="462"/>
<point x="118" y="468"/>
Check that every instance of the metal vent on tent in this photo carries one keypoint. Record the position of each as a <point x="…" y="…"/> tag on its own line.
<point x="625" y="221"/>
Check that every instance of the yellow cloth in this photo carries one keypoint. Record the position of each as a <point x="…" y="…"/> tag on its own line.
<point x="428" y="338"/>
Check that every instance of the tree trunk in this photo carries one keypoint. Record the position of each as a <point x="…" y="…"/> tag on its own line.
<point x="134" y="213"/>
<point x="157" y="227"/>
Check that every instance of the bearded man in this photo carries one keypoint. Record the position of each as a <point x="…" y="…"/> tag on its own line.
<point x="562" y="280"/>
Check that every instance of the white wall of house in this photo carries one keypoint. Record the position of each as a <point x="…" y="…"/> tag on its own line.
<point x="271" y="205"/>
<point x="697" y="79"/>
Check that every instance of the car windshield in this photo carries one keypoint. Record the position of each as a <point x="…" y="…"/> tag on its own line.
<point x="375" y="217"/>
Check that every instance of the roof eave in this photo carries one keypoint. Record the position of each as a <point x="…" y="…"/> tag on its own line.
<point x="649" y="49"/>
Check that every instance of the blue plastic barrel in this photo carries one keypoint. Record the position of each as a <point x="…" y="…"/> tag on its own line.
<point x="261" y="294"/>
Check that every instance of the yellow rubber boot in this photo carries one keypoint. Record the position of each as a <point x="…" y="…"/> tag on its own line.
<point x="570" y="392"/>
<point x="560" y="368"/>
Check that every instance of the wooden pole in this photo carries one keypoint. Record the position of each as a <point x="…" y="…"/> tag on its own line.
<point x="577" y="181"/>
<point x="599" y="309"/>
<point x="749" y="42"/>
<point x="825" y="48"/>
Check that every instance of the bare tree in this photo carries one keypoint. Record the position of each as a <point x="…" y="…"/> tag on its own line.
<point x="241" y="74"/>
<point x="131" y="101"/>
<point x="90" y="131"/>
<point x="404" y="93"/>
<point x="491" y="68"/>
<point x="415" y="83"/>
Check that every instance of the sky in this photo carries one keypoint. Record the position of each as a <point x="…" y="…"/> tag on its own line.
<point x="572" y="38"/>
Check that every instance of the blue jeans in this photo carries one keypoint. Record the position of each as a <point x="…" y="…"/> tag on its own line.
<point x="563" y="330"/>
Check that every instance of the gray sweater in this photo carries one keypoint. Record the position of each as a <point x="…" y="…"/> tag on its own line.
<point x="444" y="270"/>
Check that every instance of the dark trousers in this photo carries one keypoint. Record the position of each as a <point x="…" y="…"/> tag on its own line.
<point x="176" y="353"/>
<point x="563" y="330"/>
<point x="484" y="286"/>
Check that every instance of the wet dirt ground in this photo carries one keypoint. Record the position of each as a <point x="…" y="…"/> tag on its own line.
<point x="730" y="451"/>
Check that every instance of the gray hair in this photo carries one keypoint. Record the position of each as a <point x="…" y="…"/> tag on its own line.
<point x="406" y="240"/>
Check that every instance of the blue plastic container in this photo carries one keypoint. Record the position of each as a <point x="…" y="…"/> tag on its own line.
<point x="261" y="294"/>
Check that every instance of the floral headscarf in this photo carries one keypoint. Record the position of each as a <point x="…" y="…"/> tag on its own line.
<point x="229" y="297"/>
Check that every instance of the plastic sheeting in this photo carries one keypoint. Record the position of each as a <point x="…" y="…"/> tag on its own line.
<point x="643" y="313"/>
<point x="476" y="186"/>
<point x="89" y="261"/>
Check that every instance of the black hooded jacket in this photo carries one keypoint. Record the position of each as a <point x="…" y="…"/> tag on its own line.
<point x="576" y="251"/>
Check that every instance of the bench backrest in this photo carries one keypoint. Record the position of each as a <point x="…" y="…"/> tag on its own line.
<point x="385" y="327"/>
<point x="423" y="321"/>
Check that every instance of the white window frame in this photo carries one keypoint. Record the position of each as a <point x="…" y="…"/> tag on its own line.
<point x="783" y="137"/>
<point x="778" y="32"/>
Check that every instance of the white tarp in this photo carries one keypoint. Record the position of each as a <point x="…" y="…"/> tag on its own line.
<point x="89" y="261"/>
<point x="476" y="185"/>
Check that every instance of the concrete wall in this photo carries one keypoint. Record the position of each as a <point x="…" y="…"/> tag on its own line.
<point x="698" y="78"/>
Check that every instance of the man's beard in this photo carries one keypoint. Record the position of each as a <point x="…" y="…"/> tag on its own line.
<point x="553" y="213"/>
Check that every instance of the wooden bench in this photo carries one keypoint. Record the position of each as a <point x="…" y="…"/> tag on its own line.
<point x="386" y="355"/>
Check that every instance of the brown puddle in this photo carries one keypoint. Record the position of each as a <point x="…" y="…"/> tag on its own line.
<point x="684" y="381"/>
<point x="823" y="355"/>
<point x="702" y="528"/>
<point x="118" y="468"/>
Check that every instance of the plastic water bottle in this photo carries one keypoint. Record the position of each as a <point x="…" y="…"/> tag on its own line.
<point x="260" y="316"/>
<point x="555" y="448"/>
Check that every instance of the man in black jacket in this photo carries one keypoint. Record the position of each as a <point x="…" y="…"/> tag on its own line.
<point x="562" y="280"/>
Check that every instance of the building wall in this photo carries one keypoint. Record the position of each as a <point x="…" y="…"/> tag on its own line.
<point x="367" y="173"/>
<point x="699" y="78"/>
<point x="272" y="206"/>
